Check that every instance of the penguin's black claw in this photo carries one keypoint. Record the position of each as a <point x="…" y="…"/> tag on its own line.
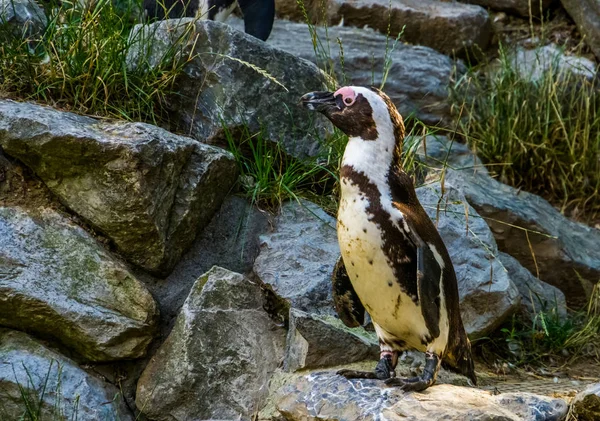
<point x="413" y="384"/>
<point x="354" y="374"/>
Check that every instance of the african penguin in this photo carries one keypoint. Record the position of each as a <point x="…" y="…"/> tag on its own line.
<point x="258" y="14"/>
<point x="394" y="263"/>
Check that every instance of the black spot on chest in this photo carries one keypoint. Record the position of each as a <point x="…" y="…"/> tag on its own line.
<point x="399" y="252"/>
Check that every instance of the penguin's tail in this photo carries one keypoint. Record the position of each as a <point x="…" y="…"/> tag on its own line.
<point x="459" y="358"/>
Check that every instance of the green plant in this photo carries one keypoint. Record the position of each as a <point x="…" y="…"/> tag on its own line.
<point x="80" y="63"/>
<point x="546" y="128"/>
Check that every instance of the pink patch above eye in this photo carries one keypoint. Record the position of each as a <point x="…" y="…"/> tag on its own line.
<point x="348" y="95"/>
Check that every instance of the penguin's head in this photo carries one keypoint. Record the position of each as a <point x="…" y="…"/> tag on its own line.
<point x="359" y="111"/>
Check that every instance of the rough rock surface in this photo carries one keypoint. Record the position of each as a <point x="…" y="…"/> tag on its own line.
<point x="219" y="87"/>
<point x="325" y="396"/>
<point x="428" y="22"/>
<point x="314" y="341"/>
<point x="487" y="295"/>
<point x="21" y="18"/>
<point x="586" y="14"/>
<point x="70" y="392"/>
<point x="519" y="7"/>
<point x="438" y="152"/>
<point x="532" y="64"/>
<point x="296" y="260"/>
<point x="536" y="295"/>
<point x="146" y="189"/>
<point x="418" y="77"/>
<point x="567" y="254"/>
<point x="586" y="405"/>
<point x="217" y="361"/>
<point x="57" y="281"/>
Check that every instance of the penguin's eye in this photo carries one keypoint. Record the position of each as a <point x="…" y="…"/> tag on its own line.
<point x="348" y="101"/>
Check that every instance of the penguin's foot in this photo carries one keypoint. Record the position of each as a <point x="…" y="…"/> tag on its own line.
<point x="422" y="382"/>
<point x="384" y="370"/>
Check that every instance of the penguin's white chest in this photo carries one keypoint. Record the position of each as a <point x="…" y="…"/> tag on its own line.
<point x="393" y="311"/>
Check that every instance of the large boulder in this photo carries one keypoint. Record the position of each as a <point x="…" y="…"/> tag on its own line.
<point x="148" y="190"/>
<point x="448" y="27"/>
<point x="418" y="77"/>
<point x="325" y="396"/>
<point x="314" y="341"/>
<point x="35" y="378"/>
<point x="520" y="7"/>
<point x="487" y="295"/>
<point x="219" y="357"/>
<point x="297" y="258"/>
<point x="561" y="252"/>
<point x="58" y="282"/>
<point x="586" y="14"/>
<point x="228" y="81"/>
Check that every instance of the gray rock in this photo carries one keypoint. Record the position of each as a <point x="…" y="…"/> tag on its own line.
<point x="314" y="341"/>
<point x="21" y="19"/>
<point x="53" y="383"/>
<point x="418" y="77"/>
<point x="487" y="295"/>
<point x="536" y="296"/>
<point x="438" y="152"/>
<point x="325" y="396"/>
<point x="296" y="260"/>
<point x="520" y="7"/>
<point x="586" y="14"/>
<point x="586" y="404"/>
<point x="146" y="189"/>
<point x="448" y="27"/>
<point x="217" y="361"/>
<point x="567" y="254"/>
<point x="532" y="64"/>
<point x="58" y="282"/>
<point x="219" y="86"/>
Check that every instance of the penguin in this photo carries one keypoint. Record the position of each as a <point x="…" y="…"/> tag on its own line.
<point x="258" y="14"/>
<point x="394" y="264"/>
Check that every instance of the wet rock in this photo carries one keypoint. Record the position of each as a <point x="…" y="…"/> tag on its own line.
<point x="520" y="7"/>
<point x="448" y="27"/>
<point x="217" y="361"/>
<point x="314" y="341"/>
<point x="51" y="383"/>
<point x="586" y="14"/>
<point x="487" y="295"/>
<point x="536" y="296"/>
<point x="219" y="86"/>
<point x="296" y="259"/>
<point x="58" y="282"/>
<point x="418" y="77"/>
<point x="146" y="189"/>
<point x="586" y="405"/>
<point x="21" y="19"/>
<point x="323" y="395"/>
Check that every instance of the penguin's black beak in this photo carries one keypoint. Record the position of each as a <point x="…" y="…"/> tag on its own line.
<point x="321" y="101"/>
<point x="258" y="17"/>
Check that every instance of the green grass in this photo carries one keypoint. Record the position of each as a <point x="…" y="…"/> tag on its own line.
<point x="79" y="63"/>
<point x="546" y="131"/>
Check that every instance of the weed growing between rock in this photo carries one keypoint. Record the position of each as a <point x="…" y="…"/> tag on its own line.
<point x="545" y="128"/>
<point x="79" y="63"/>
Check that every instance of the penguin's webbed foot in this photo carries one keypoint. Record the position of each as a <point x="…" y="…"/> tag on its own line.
<point x="422" y="382"/>
<point x="384" y="370"/>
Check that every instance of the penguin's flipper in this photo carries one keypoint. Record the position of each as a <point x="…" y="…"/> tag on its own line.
<point x="347" y="304"/>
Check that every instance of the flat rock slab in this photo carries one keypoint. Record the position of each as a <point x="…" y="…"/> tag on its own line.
<point x="487" y="295"/>
<point x="219" y="357"/>
<point x="326" y="396"/>
<point x="296" y="259"/>
<point x="58" y="282"/>
<point x="221" y="86"/>
<point x="418" y="77"/>
<point x="448" y="27"/>
<point x="314" y="341"/>
<point x="148" y="190"/>
<point x="53" y="383"/>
